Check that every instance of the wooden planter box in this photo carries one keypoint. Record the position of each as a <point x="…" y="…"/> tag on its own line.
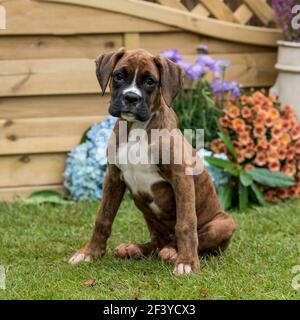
<point x="49" y="94"/>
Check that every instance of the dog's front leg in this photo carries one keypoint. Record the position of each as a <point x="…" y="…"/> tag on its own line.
<point x="113" y="192"/>
<point x="186" y="224"/>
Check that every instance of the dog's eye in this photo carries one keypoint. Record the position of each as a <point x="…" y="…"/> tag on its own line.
<point x="150" y="82"/>
<point x="118" y="77"/>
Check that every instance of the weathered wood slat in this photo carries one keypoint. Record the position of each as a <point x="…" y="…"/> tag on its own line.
<point x="219" y="10"/>
<point x="201" y="10"/>
<point x="243" y="14"/>
<point x="19" y="193"/>
<point x="33" y="17"/>
<point x="74" y="76"/>
<point x="31" y="170"/>
<point x="185" y="20"/>
<point x="131" y="40"/>
<point x="43" y="135"/>
<point x="54" y="106"/>
<point x="176" y="4"/>
<point x="55" y="47"/>
<point x="262" y="10"/>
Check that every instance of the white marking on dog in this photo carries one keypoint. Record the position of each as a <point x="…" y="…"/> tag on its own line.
<point x="133" y="87"/>
<point x="138" y="176"/>
<point x="155" y="208"/>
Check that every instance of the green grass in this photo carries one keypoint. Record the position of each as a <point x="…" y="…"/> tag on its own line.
<point x="37" y="240"/>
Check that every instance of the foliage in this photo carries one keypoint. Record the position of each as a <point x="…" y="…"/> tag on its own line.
<point x="285" y="15"/>
<point x="200" y="106"/>
<point x="262" y="141"/>
<point x="46" y="196"/>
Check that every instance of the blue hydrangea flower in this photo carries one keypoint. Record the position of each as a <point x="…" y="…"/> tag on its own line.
<point x="86" y="164"/>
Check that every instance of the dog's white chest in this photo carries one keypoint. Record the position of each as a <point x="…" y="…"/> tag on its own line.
<point x="135" y="163"/>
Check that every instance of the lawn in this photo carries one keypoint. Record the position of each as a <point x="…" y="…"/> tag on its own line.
<point x="37" y="240"/>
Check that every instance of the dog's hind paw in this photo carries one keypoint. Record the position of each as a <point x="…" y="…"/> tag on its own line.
<point x="182" y="269"/>
<point x="126" y="250"/>
<point x="80" y="257"/>
<point x="168" y="254"/>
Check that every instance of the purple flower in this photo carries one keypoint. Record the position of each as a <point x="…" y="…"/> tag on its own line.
<point x="206" y="60"/>
<point x="220" y="86"/>
<point x="195" y="71"/>
<point x="220" y="65"/>
<point x="184" y="65"/>
<point x="172" y="55"/>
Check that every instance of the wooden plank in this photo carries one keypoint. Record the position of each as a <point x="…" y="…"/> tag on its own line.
<point x="44" y="77"/>
<point x="176" y="4"/>
<point x="243" y="14"/>
<point x="201" y="10"/>
<point x="32" y="17"/>
<point x="54" y="106"/>
<point x="185" y="20"/>
<point x="262" y="10"/>
<point x="186" y="43"/>
<point x="71" y="76"/>
<point x="219" y="10"/>
<point x="19" y="193"/>
<point x="41" y="135"/>
<point x="131" y="41"/>
<point x="53" y="47"/>
<point x="32" y="170"/>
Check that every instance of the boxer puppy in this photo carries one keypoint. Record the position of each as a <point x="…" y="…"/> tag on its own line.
<point x="182" y="211"/>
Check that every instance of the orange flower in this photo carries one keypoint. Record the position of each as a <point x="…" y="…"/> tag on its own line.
<point x="289" y="170"/>
<point x="277" y="124"/>
<point x="244" y="138"/>
<point x="249" y="167"/>
<point x="233" y="112"/>
<point x="259" y="132"/>
<point x="295" y="132"/>
<point x="238" y="124"/>
<point x="262" y="114"/>
<point x="274" y="144"/>
<point x="272" y="156"/>
<point x="224" y="121"/>
<point x="285" y="139"/>
<point x="240" y="155"/>
<point x="260" y="159"/>
<point x="281" y="152"/>
<point x="217" y="146"/>
<point x="283" y="193"/>
<point x="276" y="133"/>
<point x="258" y="122"/>
<point x="290" y="152"/>
<point x="249" y="152"/>
<point x="274" y="114"/>
<point x="269" y="122"/>
<point x="262" y="144"/>
<point x="286" y="125"/>
<point x="274" y="165"/>
<point x="270" y="195"/>
<point x="297" y="147"/>
<point x="246" y="113"/>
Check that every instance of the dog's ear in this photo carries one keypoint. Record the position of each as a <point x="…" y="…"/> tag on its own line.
<point x="171" y="78"/>
<point x="105" y="65"/>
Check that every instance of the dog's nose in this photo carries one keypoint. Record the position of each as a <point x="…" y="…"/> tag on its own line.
<point x="131" y="98"/>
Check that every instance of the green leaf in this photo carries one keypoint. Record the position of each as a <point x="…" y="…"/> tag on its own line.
<point x="223" y="164"/>
<point x="243" y="197"/>
<point x="258" y="194"/>
<point x="84" y="137"/>
<point x="245" y="178"/>
<point x="228" y="143"/>
<point x="225" y="196"/>
<point x="46" y="196"/>
<point x="271" y="179"/>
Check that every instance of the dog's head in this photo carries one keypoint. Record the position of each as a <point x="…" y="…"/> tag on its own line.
<point x="140" y="82"/>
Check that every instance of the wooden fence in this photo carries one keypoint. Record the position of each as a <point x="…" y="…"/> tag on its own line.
<point x="49" y="94"/>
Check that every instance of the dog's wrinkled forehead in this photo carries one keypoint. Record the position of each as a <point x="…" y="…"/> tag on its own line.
<point x="138" y="63"/>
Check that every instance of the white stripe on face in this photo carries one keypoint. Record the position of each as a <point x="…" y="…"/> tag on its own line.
<point x="133" y="87"/>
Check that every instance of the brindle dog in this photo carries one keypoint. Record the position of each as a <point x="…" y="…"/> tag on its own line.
<point x="182" y="212"/>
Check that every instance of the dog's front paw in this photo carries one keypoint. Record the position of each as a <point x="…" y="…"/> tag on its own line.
<point x="85" y="255"/>
<point x="182" y="268"/>
<point x="126" y="250"/>
<point x="168" y="254"/>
